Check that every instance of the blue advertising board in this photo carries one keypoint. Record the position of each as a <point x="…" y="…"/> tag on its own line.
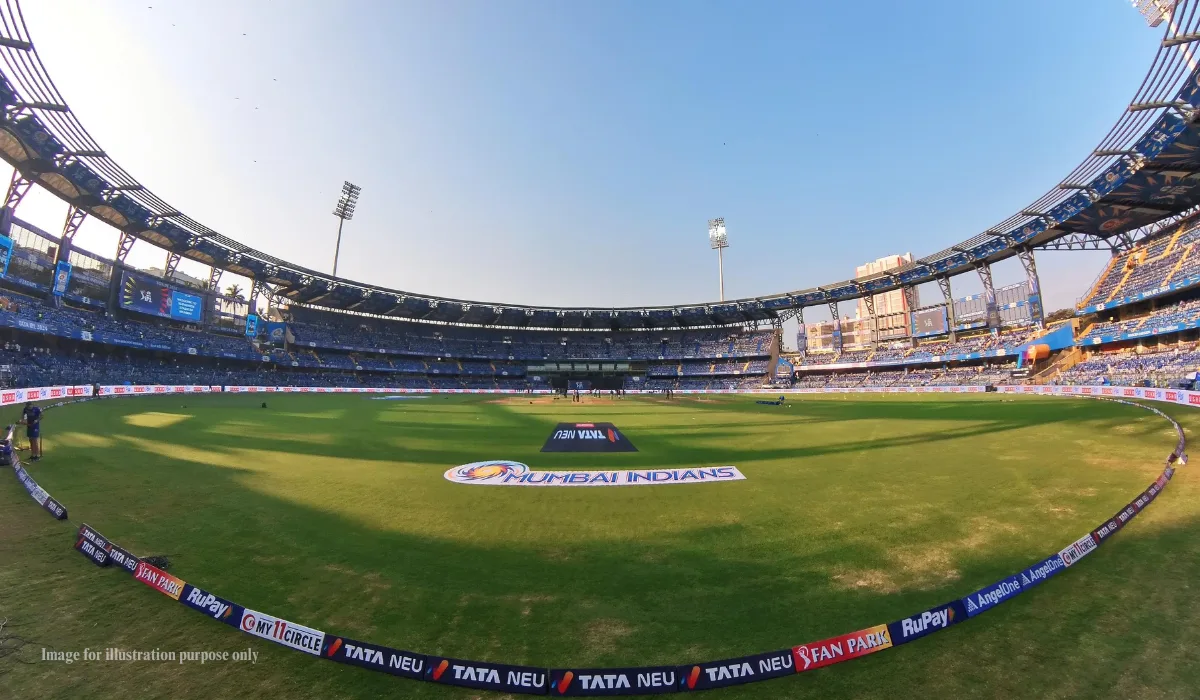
<point x="251" y="325"/>
<point x="276" y="332"/>
<point x="6" y="246"/>
<point x="62" y="277"/>
<point x="991" y="596"/>
<point x="186" y="307"/>
<point x="929" y="322"/>
<point x="928" y="622"/>
<point x="149" y="296"/>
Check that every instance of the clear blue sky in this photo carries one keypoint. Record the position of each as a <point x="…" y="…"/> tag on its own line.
<point x="571" y="152"/>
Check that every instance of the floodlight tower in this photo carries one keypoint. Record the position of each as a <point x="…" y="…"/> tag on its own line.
<point x="1155" y="11"/>
<point x="344" y="211"/>
<point x="719" y="241"/>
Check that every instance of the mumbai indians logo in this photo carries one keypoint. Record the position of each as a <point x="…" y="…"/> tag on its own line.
<point x="485" y="471"/>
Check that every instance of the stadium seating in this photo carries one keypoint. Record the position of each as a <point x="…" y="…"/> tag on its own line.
<point x="343" y="350"/>
<point x="1136" y="367"/>
<point x="1148" y="266"/>
<point x="1181" y="312"/>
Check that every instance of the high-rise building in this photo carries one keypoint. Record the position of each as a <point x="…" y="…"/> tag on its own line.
<point x="888" y="303"/>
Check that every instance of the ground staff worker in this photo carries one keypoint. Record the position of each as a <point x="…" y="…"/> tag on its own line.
<point x="31" y="418"/>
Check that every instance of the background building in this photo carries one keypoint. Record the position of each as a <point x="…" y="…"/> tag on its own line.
<point x="891" y="302"/>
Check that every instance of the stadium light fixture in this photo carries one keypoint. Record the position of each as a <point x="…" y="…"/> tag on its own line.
<point x="718" y="240"/>
<point x="1155" y="11"/>
<point x="344" y="211"/>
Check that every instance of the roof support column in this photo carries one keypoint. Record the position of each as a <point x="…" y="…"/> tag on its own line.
<point x="124" y="245"/>
<point x="18" y="187"/>
<point x="214" y="279"/>
<point x="801" y="334"/>
<point x="910" y="305"/>
<point x="989" y="296"/>
<point x="944" y="283"/>
<point x="1036" y="312"/>
<point x="171" y="265"/>
<point x="837" y="327"/>
<point x="75" y="217"/>
<point x="257" y="288"/>
<point x="869" y="300"/>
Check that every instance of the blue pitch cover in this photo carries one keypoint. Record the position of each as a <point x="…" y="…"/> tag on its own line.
<point x="587" y="437"/>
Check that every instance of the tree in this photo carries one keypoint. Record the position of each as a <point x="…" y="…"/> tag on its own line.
<point x="1060" y="315"/>
<point x="235" y="291"/>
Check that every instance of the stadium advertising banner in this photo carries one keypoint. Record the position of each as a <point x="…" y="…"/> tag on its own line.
<point x="112" y="553"/>
<point x="507" y="473"/>
<point x="376" y="658"/>
<point x="841" y="648"/>
<point x="6" y="246"/>
<point x="1177" y="396"/>
<point x="746" y="669"/>
<point x="280" y="631"/>
<point x="929" y="322"/>
<point x="592" y="682"/>
<point x="487" y="676"/>
<point x="62" y="277"/>
<point x="147" y="389"/>
<point x="926" y="623"/>
<point x="1041" y="571"/>
<point x="9" y="397"/>
<point x="989" y="597"/>
<point x="251" y="325"/>
<point x="87" y="533"/>
<point x="149" y="296"/>
<point x="213" y="606"/>
<point x="647" y="680"/>
<point x="97" y="555"/>
<point x="370" y="390"/>
<point x="36" y="492"/>
<point x="159" y="580"/>
<point x="123" y="559"/>
<point x="53" y="507"/>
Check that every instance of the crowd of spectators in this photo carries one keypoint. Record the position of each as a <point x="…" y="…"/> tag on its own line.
<point x="316" y="329"/>
<point x="1148" y="266"/>
<point x="1182" y="312"/>
<point x="1008" y="339"/>
<point x="1161" y="367"/>
<point x="979" y="375"/>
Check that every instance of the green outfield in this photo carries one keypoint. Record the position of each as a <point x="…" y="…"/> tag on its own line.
<point x="332" y="511"/>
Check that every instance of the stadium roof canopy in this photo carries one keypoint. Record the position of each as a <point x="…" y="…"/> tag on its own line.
<point x="1145" y="171"/>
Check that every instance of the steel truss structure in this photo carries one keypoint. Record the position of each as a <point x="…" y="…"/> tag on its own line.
<point x="1105" y="203"/>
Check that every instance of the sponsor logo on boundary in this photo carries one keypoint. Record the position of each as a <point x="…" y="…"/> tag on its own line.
<point x="926" y="623"/>
<point x="747" y="669"/>
<point x="842" y="648"/>
<point x="159" y="580"/>
<point x="1078" y="549"/>
<point x="214" y="606"/>
<point x="650" y="680"/>
<point x="289" y="634"/>
<point x="1041" y="571"/>
<point x="508" y="473"/>
<point x="991" y="596"/>
<point x="487" y="676"/>
<point x="376" y="658"/>
<point x="123" y="559"/>
<point x="98" y="556"/>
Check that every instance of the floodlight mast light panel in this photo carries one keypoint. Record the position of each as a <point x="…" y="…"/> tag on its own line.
<point x="347" y="201"/>
<point x="717" y="238"/>
<point x="1155" y="11"/>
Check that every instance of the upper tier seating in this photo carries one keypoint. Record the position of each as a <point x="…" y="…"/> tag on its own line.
<point x="1148" y="266"/>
